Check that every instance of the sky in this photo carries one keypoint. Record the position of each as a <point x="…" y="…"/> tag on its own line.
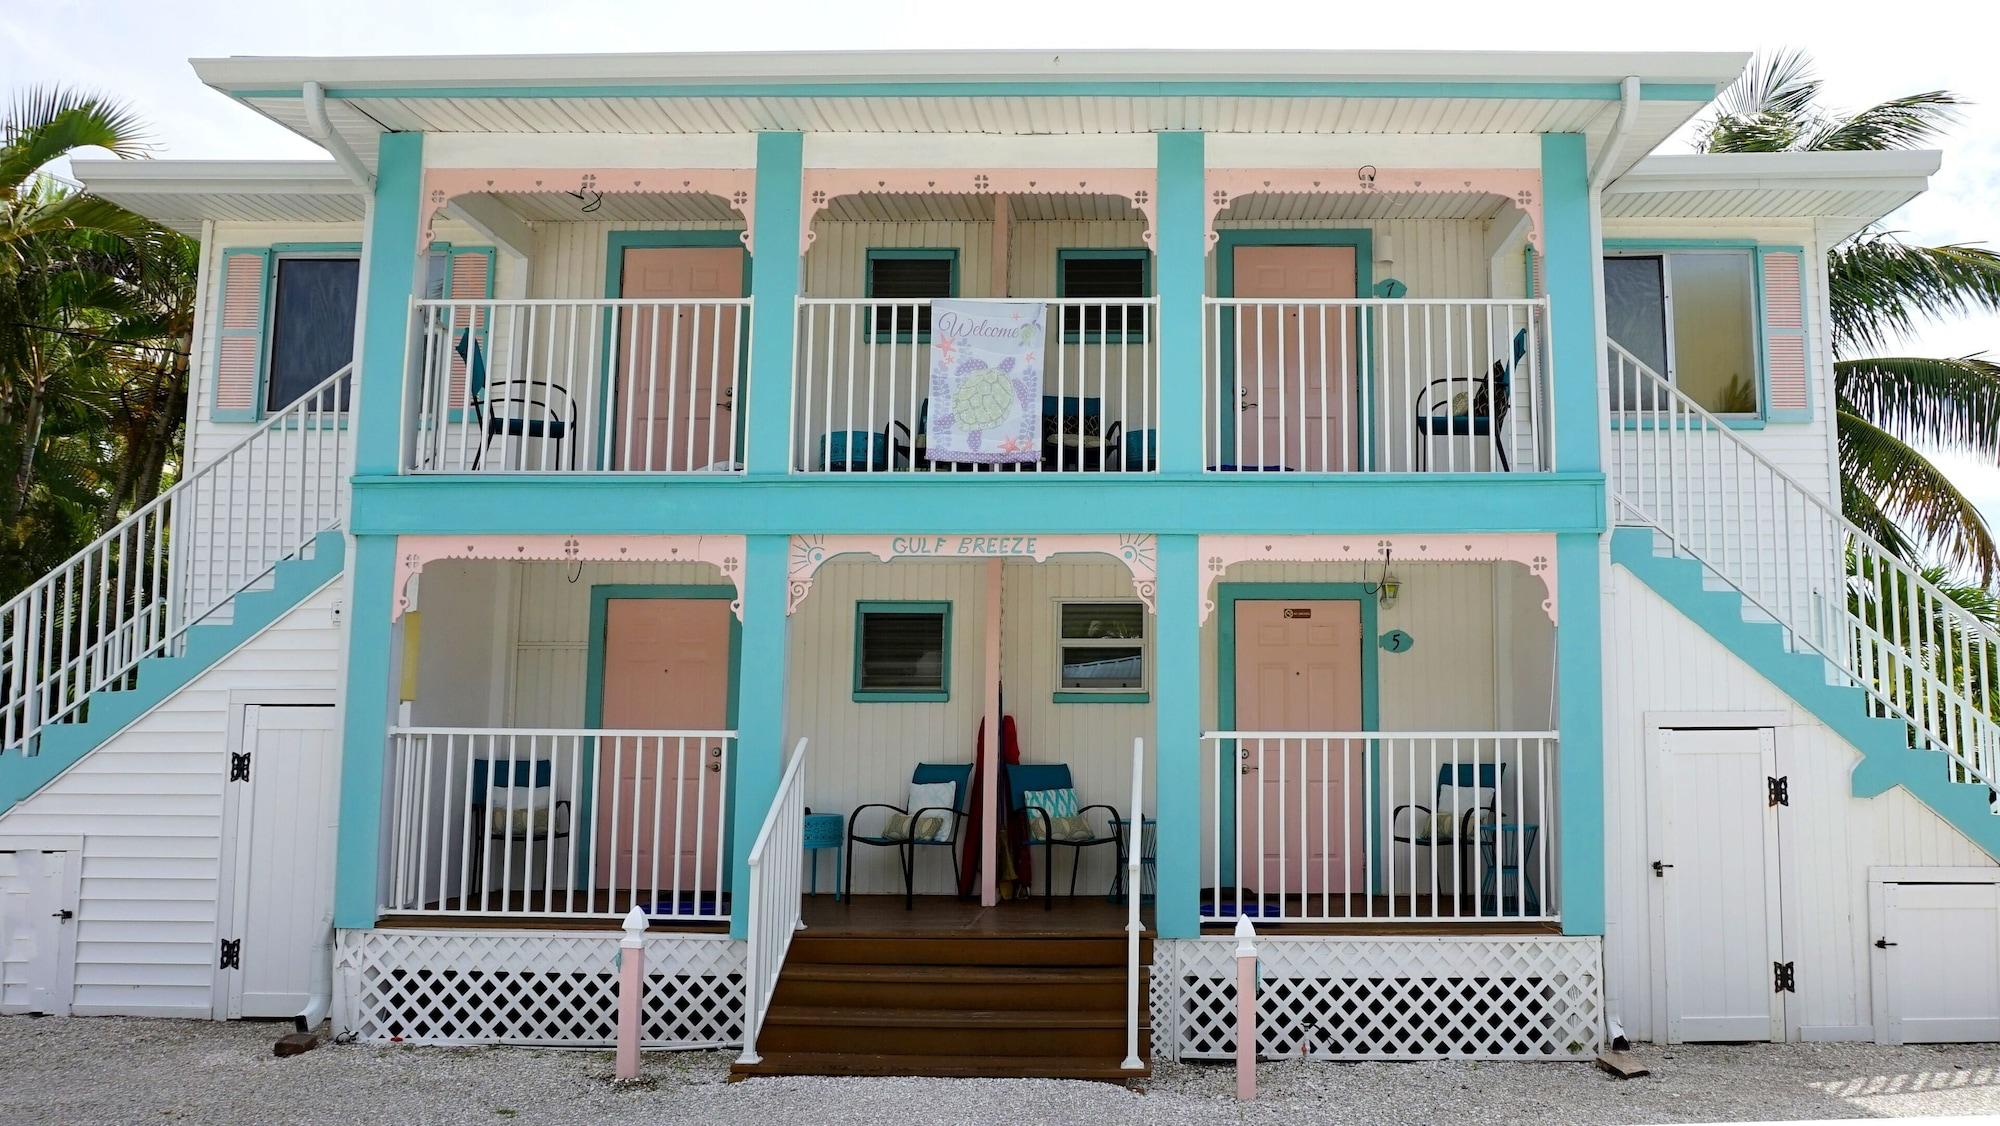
<point x="137" y="50"/>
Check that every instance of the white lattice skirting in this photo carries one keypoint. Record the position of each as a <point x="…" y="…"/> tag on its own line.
<point x="532" y="987"/>
<point x="1527" y="998"/>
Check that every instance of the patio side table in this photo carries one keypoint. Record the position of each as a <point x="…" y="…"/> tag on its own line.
<point x="824" y="831"/>
<point x="1505" y="851"/>
<point x="1149" y="841"/>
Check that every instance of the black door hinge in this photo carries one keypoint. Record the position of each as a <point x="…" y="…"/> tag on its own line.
<point x="239" y="766"/>
<point x="232" y="954"/>
<point x="1782" y="979"/>
<point x="1779" y="790"/>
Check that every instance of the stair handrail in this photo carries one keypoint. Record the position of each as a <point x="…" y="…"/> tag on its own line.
<point x="1807" y="592"/>
<point x="1135" y="846"/>
<point x="776" y="896"/>
<point x="136" y="590"/>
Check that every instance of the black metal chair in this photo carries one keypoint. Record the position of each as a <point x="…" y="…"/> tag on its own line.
<point x="906" y="837"/>
<point x="1442" y="826"/>
<point x="1484" y="413"/>
<point x="1027" y="778"/>
<point x="517" y="408"/>
<point x="496" y="790"/>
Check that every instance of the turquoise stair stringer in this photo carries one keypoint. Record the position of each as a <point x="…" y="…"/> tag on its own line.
<point x="159" y="678"/>
<point x="1887" y="759"/>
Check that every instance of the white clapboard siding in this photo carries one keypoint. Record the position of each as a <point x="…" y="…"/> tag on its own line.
<point x="148" y="805"/>
<point x="1655" y="660"/>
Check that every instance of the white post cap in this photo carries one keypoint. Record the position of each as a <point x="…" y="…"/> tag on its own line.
<point x="635" y="928"/>
<point x="1246" y="938"/>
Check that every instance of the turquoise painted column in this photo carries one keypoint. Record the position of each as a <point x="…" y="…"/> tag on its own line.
<point x="1569" y="269"/>
<point x="760" y="726"/>
<point x="1180" y="251"/>
<point x="1580" y="723"/>
<point x="1177" y="738"/>
<point x="371" y="674"/>
<point x="774" y="292"/>
<point x="392" y="279"/>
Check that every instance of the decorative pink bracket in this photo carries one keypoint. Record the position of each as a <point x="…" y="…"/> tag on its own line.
<point x="1535" y="551"/>
<point x="736" y="186"/>
<point x="1140" y="185"/>
<point x="810" y="553"/>
<point x="724" y="553"/>
<point x="1520" y="186"/>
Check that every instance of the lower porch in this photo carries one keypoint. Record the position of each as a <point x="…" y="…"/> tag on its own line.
<point x="1375" y="753"/>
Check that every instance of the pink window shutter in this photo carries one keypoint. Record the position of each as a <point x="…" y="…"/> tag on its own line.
<point x="239" y="350"/>
<point x="1787" y="371"/>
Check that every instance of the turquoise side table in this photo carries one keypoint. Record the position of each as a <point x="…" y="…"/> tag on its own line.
<point x="824" y="831"/>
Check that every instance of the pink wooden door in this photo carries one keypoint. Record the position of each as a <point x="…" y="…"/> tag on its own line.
<point x="677" y="366"/>
<point x="1298" y="668"/>
<point x="1298" y="363"/>
<point x="666" y="667"/>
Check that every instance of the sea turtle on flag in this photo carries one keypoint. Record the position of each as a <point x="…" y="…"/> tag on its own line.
<point x="982" y="397"/>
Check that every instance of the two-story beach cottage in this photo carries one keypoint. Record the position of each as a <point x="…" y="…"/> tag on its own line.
<point x="947" y="534"/>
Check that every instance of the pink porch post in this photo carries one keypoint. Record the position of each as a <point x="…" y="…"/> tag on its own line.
<point x="989" y="893"/>
<point x="631" y="988"/>
<point x="1003" y="213"/>
<point x="1246" y="1009"/>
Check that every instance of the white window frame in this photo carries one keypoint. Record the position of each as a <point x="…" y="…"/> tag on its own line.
<point x="1145" y="639"/>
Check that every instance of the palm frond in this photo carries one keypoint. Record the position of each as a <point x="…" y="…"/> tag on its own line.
<point x="1911" y="491"/>
<point x="1907" y="122"/>
<point x="1880" y="287"/>
<point x="45" y="122"/>
<point x="1948" y="402"/>
<point x="1780" y="82"/>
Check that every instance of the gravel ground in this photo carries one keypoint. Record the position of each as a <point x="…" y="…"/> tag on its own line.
<point x="122" y="1071"/>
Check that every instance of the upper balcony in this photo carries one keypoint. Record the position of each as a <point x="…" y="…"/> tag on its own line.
<point x="1338" y="335"/>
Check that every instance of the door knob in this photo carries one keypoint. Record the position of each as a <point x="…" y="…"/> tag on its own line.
<point x="1883" y="944"/>
<point x="1660" y="869"/>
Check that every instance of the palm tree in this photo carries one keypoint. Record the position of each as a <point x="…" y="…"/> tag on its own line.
<point x="1879" y="288"/>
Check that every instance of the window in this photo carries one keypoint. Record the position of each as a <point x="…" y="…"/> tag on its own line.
<point x="909" y="275"/>
<point x="902" y="651"/>
<point x="1101" y="650"/>
<point x="312" y="325"/>
<point x="1691" y="316"/>
<point x="1091" y="275"/>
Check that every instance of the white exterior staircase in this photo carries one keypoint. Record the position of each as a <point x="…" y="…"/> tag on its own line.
<point x="168" y="583"/>
<point x="1778" y="575"/>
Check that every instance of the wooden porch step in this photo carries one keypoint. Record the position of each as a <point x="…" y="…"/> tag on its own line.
<point x="946" y="1032"/>
<point x="942" y="1067"/>
<point x="964" y="950"/>
<point x="864" y="985"/>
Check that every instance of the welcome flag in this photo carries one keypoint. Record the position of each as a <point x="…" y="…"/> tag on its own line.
<point x="986" y="381"/>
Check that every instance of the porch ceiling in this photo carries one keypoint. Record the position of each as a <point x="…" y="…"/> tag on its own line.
<point x="362" y="121"/>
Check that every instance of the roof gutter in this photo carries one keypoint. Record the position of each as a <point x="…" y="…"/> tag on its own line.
<point x="322" y="131"/>
<point x="1621" y="130"/>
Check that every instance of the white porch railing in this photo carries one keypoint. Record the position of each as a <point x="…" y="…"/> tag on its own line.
<point x="138" y="588"/>
<point x="1370" y="826"/>
<point x="776" y="865"/>
<point x="578" y="386"/>
<point x="1383" y="386"/>
<point x="861" y="387"/>
<point x="576" y="822"/>
<point x="1682" y="471"/>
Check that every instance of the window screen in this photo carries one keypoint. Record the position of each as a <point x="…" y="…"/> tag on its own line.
<point x="312" y="326"/>
<point x="905" y="277"/>
<point x="1093" y="277"/>
<point x="1103" y="646"/>
<point x="901" y="648"/>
